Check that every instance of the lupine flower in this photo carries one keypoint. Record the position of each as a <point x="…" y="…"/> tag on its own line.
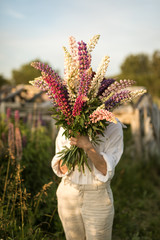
<point x="56" y="87"/>
<point x="11" y="142"/>
<point x="102" y="114"/>
<point x="85" y="82"/>
<point x="77" y="108"/>
<point x="84" y="60"/>
<point x="60" y="95"/>
<point x="16" y="117"/>
<point x="73" y="49"/>
<point x="96" y="82"/>
<point x="104" y="85"/>
<point x="116" y="86"/>
<point x="18" y="143"/>
<point x="41" y="84"/>
<point x="81" y="88"/>
<point x="46" y="70"/>
<point x="68" y="64"/>
<point x="137" y="93"/>
<point x="117" y="99"/>
<point x="8" y="114"/>
<point x="92" y="43"/>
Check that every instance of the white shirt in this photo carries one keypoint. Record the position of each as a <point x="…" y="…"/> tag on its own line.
<point x="110" y="147"/>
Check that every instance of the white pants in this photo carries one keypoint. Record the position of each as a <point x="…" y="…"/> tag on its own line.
<point x="86" y="211"/>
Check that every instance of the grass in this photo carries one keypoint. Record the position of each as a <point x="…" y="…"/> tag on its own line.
<point x="136" y="192"/>
<point x="29" y="211"/>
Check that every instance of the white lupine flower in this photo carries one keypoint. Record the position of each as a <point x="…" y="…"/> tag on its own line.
<point x="99" y="75"/>
<point x="92" y="43"/>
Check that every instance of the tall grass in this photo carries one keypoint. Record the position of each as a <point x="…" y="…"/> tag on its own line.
<point x="28" y="206"/>
<point x="136" y="192"/>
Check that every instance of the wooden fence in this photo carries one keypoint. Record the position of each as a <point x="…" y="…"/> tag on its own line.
<point x="143" y="117"/>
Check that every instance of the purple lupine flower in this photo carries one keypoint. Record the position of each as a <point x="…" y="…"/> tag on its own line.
<point x="116" y="86"/>
<point x="85" y="82"/>
<point x="41" y="84"/>
<point x="46" y="70"/>
<point x="117" y="99"/>
<point x="104" y="85"/>
<point x="83" y="57"/>
<point x="16" y="117"/>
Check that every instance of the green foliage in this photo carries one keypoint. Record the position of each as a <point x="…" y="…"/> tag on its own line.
<point x="24" y="74"/>
<point x="30" y="212"/>
<point x="144" y="70"/>
<point x="28" y="206"/>
<point x="3" y="81"/>
<point x="136" y="192"/>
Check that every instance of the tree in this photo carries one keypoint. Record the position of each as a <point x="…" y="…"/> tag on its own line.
<point x="24" y="74"/>
<point x="144" y="70"/>
<point x="3" y="81"/>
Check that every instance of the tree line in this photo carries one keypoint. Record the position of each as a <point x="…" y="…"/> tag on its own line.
<point x="142" y="68"/>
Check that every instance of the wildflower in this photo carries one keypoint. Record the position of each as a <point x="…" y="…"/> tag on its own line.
<point x="116" y="86"/>
<point x="104" y="85"/>
<point x="92" y="43"/>
<point x="18" y="143"/>
<point x="11" y="142"/>
<point x="96" y="82"/>
<point x="102" y="114"/>
<point x="16" y="117"/>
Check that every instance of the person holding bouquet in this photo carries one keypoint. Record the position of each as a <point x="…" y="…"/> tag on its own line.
<point x="85" y="201"/>
<point x="90" y="140"/>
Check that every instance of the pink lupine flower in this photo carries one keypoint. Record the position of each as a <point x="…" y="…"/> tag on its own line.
<point x="16" y="117"/>
<point x="85" y="82"/>
<point x="59" y="95"/>
<point x="8" y="114"/>
<point x="81" y="99"/>
<point x="102" y="114"/>
<point x="46" y="70"/>
<point x="56" y="87"/>
<point x="18" y="143"/>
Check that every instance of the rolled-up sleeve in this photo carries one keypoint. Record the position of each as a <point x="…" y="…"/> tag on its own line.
<point x="60" y="142"/>
<point x="111" y="148"/>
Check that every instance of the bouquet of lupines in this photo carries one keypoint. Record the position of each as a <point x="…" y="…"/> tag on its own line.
<point x="83" y="100"/>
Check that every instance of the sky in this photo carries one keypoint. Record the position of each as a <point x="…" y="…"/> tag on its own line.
<point x="33" y="29"/>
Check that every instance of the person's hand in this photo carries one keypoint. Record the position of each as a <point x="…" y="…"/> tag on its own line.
<point x="63" y="168"/>
<point x="81" y="142"/>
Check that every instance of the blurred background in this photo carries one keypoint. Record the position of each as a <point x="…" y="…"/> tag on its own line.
<point x="37" y="30"/>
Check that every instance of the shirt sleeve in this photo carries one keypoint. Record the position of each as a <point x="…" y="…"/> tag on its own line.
<point x="111" y="149"/>
<point x="60" y="142"/>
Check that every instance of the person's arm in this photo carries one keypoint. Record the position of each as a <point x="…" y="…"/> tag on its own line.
<point x="63" y="169"/>
<point x="97" y="159"/>
<point x="56" y="162"/>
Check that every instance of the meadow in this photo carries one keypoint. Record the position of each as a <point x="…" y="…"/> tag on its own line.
<point x="28" y="205"/>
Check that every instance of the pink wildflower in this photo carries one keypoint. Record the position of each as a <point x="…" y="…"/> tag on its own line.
<point x="78" y="105"/>
<point x="18" y="143"/>
<point x="102" y="114"/>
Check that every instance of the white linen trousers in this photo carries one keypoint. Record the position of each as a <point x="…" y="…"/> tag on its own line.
<point x="86" y="211"/>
